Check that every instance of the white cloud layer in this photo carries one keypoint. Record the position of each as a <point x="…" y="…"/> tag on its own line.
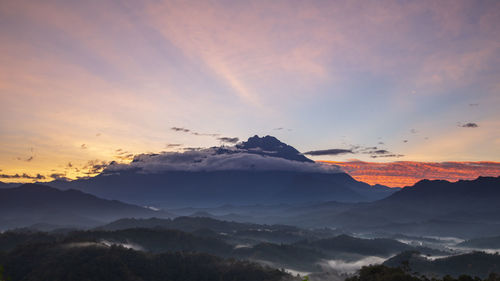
<point x="342" y="266"/>
<point x="212" y="159"/>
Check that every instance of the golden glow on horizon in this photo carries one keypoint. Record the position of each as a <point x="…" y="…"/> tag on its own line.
<point x="406" y="173"/>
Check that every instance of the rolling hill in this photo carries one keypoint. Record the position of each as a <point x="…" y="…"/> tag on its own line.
<point x="31" y="204"/>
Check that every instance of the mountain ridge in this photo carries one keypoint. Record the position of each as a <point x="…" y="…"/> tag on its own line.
<point x="35" y="203"/>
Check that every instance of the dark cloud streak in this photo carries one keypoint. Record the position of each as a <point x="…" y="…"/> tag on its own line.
<point x="184" y="130"/>
<point x="373" y="151"/>
<point x="22" y="176"/>
<point x="333" y="151"/>
<point x="469" y="125"/>
<point x="228" y="139"/>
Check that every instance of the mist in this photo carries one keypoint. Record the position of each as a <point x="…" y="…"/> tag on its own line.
<point x="348" y="267"/>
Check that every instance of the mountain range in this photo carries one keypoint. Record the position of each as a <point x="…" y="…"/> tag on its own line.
<point x="264" y="181"/>
<point x="467" y="208"/>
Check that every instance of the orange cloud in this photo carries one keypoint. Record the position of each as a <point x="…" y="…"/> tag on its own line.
<point x="405" y="173"/>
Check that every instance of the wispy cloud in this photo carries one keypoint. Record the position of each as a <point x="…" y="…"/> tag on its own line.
<point x="22" y="176"/>
<point x="172" y="145"/>
<point x="59" y="176"/>
<point x="180" y="129"/>
<point x="469" y="125"/>
<point x="228" y="140"/>
<point x="184" y="130"/>
<point x="28" y="159"/>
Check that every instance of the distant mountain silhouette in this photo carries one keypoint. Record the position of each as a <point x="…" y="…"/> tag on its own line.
<point x="6" y="185"/>
<point x="467" y="208"/>
<point x="34" y="203"/>
<point x="203" y="226"/>
<point x="465" y="200"/>
<point x="209" y="189"/>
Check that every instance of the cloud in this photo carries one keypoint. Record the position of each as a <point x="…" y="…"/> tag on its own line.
<point x="381" y="153"/>
<point x="125" y="157"/>
<point x="94" y="167"/>
<point x="83" y="146"/>
<point x="228" y="139"/>
<point x="343" y="266"/>
<point x="469" y="125"/>
<point x="170" y="145"/>
<point x="22" y="176"/>
<point x="179" y="129"/>
<point x="29" y="159"/>
<point x="204" y="134"/>
<point x="59" y="176"/>
<point x="387" y="155"/>
<point x="333" y="151"/>
<point x="405" y="173"/>
<point x="215" y="159"/>
<point x="184" y="130"/>
<point x="373" y="151"/>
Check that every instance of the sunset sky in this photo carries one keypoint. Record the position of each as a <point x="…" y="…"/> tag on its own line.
<point x="83" y="83"/>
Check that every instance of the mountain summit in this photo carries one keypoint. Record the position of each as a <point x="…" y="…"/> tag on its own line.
<point x="271" y="146"/>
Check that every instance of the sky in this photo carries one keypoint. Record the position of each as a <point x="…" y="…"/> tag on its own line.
<point x="83" y="83"/>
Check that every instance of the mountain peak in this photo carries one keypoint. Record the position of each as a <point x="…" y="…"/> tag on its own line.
<point x="271" y="146"/>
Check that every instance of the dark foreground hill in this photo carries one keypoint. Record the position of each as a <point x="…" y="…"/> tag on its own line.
<point x="478" y="264"/>
<point x="81" y="262"/>
<point x="33" y="204"/>
<point x="303" y="256"/>
<point x="385" y="273"/>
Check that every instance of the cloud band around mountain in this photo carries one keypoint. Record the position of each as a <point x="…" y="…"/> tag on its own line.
<point x="216" y="159"/>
